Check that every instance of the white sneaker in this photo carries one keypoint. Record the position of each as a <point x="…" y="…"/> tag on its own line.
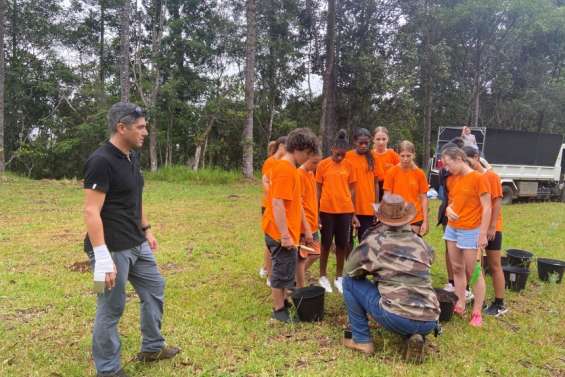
<point x="339" y="284"/>
<point x="262" y="273"/>
<point x="268" y="282"/>
<point x="449" y="287"/>
<point x="469" y="296"/>
<point x="325" y="283"/>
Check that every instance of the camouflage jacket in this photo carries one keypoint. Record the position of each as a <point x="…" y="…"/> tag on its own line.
<point x="400" y="262"/>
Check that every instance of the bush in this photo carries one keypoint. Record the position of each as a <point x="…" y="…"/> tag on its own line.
<point x="180" y="174"/>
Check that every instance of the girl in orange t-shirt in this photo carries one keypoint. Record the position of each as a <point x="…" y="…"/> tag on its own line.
<point x="336" y="194"/>
<point x="409" y="181"/>
<point x="366" y="187"/>
<point x="385" y="158"/>
<point x="494" y="234"/>
<point x="276" y="151"/>
<point x="466" y="232"/>
<point x="310" y="204"/>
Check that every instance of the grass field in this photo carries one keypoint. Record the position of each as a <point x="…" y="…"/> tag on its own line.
<point x="217" y="309"/>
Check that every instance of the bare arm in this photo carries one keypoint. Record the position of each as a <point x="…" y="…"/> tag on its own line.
<point x="148" y="233"/>
<point x="279" y="214"/>
<point x="307" y="229"/>
<point x="318" y="196"/>
<point x="496" y="207"/>
<point x="485" y="219"/>
<point x="425" y="224"/>
<point x="266" y="183"/>
<point x="355" y="221"/>
<point x="94" y="200"/>
<point x="376" y="189"/>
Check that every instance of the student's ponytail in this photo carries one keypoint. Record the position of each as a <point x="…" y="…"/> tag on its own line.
<point x="360" y="132"/>
<point x="341" y="141"/>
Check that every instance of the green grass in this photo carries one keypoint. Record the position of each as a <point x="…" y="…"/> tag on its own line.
<point x="217" y="309"/>
<point x="183" y="174"/>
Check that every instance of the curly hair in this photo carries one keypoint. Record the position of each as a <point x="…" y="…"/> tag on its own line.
<point x="302" y="139"/>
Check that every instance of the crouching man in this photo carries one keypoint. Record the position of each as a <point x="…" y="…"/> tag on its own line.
<point x="403" y="301"/>
<point x="120" y="242"/>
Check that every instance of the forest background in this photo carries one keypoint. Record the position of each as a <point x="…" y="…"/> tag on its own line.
<point x="219" y="79"/>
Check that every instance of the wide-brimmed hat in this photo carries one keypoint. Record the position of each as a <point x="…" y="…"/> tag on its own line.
<point x="394" y="211"/>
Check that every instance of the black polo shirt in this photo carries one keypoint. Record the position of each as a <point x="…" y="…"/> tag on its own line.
<point x="110" y="171"/>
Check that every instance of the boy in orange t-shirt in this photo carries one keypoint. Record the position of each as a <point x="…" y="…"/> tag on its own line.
<point x="366" y="186"/>
<point x="284" y="216"/>
<point x="409" y="181"/>
<point x="307" y="256"/>
<point x="336" y="194"/>
<point x="385" y="158"/>
<point x="278" y="148"/>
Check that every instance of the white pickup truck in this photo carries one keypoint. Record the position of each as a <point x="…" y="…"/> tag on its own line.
<point x="530" y="165"/>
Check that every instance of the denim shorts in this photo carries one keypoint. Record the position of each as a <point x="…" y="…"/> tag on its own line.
<point x="464" y="238"/>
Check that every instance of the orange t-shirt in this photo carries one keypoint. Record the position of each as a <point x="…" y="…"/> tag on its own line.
<point x="385" y="161"/>
<point x="365" y="185"/>
<point x="335" y="179"/>
<point x="285" y="184"/>
<point x="449" y="184"/>
<point x="465" y="200"/>
<point x="410" y="184"/>
<point x="267" y="166"/>
<point x="495" y="192"/>
<point x="309" y="198"/>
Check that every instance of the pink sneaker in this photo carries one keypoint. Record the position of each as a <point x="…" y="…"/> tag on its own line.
<point x="476" y="320"/>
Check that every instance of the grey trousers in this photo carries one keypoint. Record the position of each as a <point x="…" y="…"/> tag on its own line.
<point x="139" y="267"/>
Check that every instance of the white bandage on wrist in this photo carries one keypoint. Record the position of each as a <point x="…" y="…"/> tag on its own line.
<point x="102" y="262"/>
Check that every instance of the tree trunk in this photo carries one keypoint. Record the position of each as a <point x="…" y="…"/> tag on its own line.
<point x="2" y="73"/>
<point x="124" y="51"/>
<point x="150" y="99"/>
<point x="271" y="119"/>
<point x="201" y="144"/>
<point x="428" y="88"/>
<point x="477" y="84"/>
<point x="249" y="89"/>
<point x="328" y="119"/>
<point x="102" y="74"/>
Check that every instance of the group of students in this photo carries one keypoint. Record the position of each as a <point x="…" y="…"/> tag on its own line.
<point x="304" y="193"/>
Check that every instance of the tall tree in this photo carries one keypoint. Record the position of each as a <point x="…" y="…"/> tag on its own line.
<point x="124" y="50"/>
<point x="2" y="29"/>
<point x="149" y="99"/>
<point x="102" y="64"/>
<point x="328" y="118"/>
<point x="251" y="13"/>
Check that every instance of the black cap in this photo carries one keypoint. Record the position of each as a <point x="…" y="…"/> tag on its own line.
<point x="120" y="110"/>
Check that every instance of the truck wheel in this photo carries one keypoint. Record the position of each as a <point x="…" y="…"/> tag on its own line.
<point x="507" y="194"/>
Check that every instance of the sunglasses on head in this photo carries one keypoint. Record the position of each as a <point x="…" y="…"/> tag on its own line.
<point x="138" y="112"/>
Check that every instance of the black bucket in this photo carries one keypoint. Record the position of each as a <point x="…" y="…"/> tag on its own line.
<point x="519" y="258"/>
<point x="503" y="260"/>
<point x="548" y="267"/>
<point x="447" y="301"/>
<point x="515" y="277"/>
<point x="309" y="303"/>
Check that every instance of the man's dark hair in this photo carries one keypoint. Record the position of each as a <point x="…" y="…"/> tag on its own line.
<point x="470" y="151"/>
<point x="458" y="141"/>
<point x="302" y="139"/>
<point x="123" y="112"/>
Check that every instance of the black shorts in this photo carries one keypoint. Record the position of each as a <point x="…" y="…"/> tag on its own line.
<point x="284" y="264"/>
<point x="336" y="225"/>
<point x="496" y="243"/>
<point x="365" y="223"/>
<point x="381" y="191"/>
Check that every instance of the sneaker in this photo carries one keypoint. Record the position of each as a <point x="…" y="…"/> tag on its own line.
<point x="282" y="315"/>
<point x="339" y="284"/>
<point x="366" y="348"/>
<point x="449" y="287"/>
<point x="167" y="352"/>
<point x="119" y="373"/>
<point x="476" y="320"/>
<point x="263" y="273"/>
<point x="414" y="351"/>
<point x="325" y="283"/>
<point x="469" y="296"/>
<point x="268" y="282"/>
<point x="496" y="310"/>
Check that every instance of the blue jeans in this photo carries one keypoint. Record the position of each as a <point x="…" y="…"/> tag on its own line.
<point x="139" y="267"/>
<point x="362" y="297"/>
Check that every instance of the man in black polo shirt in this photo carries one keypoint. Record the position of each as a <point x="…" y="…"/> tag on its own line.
<point x="120" y="242"/>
